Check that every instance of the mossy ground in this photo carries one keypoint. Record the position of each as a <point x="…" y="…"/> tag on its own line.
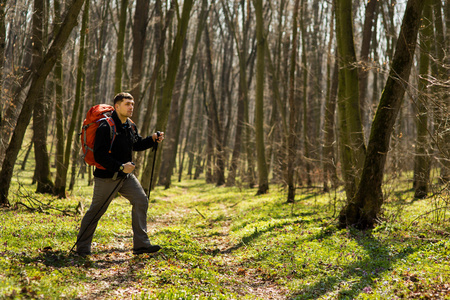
<point x="226" y="243"/>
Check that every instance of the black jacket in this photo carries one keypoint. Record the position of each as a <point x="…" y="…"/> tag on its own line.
<point x="127" y="140"/>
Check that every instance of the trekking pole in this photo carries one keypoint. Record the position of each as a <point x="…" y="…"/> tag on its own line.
<point x="155" y="148"/>
<point x="106" y="201"/>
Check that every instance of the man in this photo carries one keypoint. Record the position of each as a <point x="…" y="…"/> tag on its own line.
<point x="117" y="176"/>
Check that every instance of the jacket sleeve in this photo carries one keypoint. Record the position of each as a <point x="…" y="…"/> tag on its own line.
<point x="101" y="148"/>
<point x="140" y="143"/>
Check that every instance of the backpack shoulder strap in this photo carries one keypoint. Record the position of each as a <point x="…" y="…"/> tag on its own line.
<point x="112" y="130"/>
<point x="133" y="126"/>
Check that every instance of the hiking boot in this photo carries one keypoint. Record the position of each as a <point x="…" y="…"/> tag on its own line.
<point x="151" y="249"/>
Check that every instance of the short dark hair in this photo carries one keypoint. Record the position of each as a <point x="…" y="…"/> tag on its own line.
<point x="120" y="96"/>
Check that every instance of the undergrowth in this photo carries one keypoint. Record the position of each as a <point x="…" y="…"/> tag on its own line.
<point x="226" y="243"/>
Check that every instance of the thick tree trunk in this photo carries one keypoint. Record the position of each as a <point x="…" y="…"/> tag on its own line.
<point x="422" y="161"/>
<point x="40" y="124"/>
<point x="38" y="80"/>
<point x="362" y="211"/>
<point x="350" y="126"/>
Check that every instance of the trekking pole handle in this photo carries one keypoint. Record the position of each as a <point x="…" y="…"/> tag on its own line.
<point x="158" y="134"/>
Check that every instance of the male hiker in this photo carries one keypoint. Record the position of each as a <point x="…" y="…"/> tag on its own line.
<point x="114" y="175"/>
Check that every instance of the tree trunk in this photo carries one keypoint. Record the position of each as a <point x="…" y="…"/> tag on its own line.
<point x="293" y="111"/>
<point x="442" y="109"/>
<point x="59" y="187"/>
<point x="329" y="156"/>
<point x="350" y="126"/>
<point x="307" y="109"/>
<point x="2" y="52"/>
<point x="139" y="37"/>
<point x="363" y="70"/>
<point x="38" y="80"/>
<point x="422" y="160"/>
<point x="263" y="180"/>
<point x="160" y="39"/>
<point x="214" y="114"/>
<point x="40" y="124"/>
<point x="79" y="92"/>
<point x="175" y="119"/>
<point x="242" y="90"/>
<point x="120" y="46"/>
<point x="362" y="211"/>
<point x="169" y="156"/>
<point x="167" y="92"/>
<point x="73" y="119"/>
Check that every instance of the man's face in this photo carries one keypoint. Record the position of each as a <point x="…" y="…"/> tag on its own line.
<point x="125" y="108"/>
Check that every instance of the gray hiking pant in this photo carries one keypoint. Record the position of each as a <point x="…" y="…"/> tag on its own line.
<point x="131" y="189"/>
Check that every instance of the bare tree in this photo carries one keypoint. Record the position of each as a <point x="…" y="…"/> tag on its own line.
<point x="422" y="162"/>
<point x="37" y="81"/>
<point x="263" y="180"/>
<point x="362" y="210"/>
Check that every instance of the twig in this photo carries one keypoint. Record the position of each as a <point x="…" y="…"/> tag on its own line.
<point x="200" y="213"/>
<point x="427" y="213"/>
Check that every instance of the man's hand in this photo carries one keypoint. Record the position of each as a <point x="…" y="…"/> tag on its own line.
<point x="128" y="167"/>
<point x="157" y="138"/>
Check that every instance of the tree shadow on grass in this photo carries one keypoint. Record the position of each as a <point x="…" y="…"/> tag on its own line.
<point x="256" y="233"/>
<point x="362" y="274"/>
<point x="102" y="273"/>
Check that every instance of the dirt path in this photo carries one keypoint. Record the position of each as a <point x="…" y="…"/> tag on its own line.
<point x="112" y="270"/>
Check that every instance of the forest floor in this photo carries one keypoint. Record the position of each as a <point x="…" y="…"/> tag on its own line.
<point x="226" y="243"/>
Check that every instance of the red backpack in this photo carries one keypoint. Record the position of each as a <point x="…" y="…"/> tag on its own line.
<point x="94" y="116"/>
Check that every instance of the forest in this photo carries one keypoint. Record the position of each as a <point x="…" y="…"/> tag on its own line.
<point x="300" y="93"/>
<point x="325" y="123"/>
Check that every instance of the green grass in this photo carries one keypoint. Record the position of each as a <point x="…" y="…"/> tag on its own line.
<point x="227" y="243"/>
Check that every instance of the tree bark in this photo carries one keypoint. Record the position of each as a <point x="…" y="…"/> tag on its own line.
<point x="38" y="79"/>
<point x="40" y="123"/>
<point x="79" y="92"/>
<point x="350" y="126"/>
<point x="175" y="119"/>
<point x="59" y="187"/>
<point x="293" y="110"/>
<point x="329" y="156"/>
<point x="362" y="210"/>
<point x="120" y="46"/>
<point x="169" y="155"/>
<point x="442" y="109"/>
<point x="422" y="161"/>
<point x="364" y="68"/>
<point x="139" y="37"/>
<point x="214" y="114"/>
<point x="263" y="180"/>
<point x="2" y="52"/>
